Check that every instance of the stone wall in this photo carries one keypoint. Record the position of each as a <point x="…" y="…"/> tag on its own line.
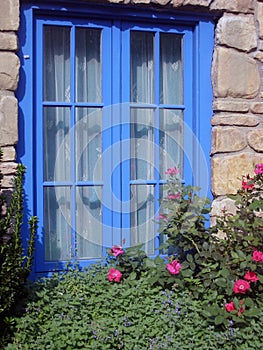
<point x="237" y="76"/>
<point x="9" y="75"/>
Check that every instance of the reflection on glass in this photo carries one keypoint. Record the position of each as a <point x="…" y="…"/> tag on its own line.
<point x="88" y="144"/>
<point x="142" y="217"/>
<point x="142" y="67"/>
<point x="88" y="222"/>
<point x="88" y="65"/>
<point x="57" y="221"/>
<point x="142" y="144"/>
<point x="171" y="74"/>
<point x="56" y="63"/>
<point x="171" y="140"/>
<point x="56" y="144"/>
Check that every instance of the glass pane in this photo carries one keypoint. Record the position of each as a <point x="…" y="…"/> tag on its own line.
<point x="171" y="140"/>
<point x="88" y="65"/>
<point x="57" y="221"/>
<point x="171" y="74"/>
<point x="88" y="144"/>
<point x="142" y="216"/>
<point x="88" y="222"/>
<point x="56" y="144"/>
<point x="56" y="63"/>
<point x="142" y="144"/>
<point x="142" y="67"/>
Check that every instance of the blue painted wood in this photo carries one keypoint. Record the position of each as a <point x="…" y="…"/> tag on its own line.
<point x="197" y="52"/>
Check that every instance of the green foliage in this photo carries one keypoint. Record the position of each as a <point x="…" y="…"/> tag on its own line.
<point x="202" y="292"/>
<point x="82" y="310"/>
<point x="211" y="266"/>
<point x="15" y="265"/>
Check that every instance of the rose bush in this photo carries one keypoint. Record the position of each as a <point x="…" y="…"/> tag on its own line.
<point x="197" y="260"/>
<point x="200" y="292"/>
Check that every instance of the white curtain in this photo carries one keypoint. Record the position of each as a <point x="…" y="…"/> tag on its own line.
<point x="142" y="139"/>
<point x="143" y="127"/>
<point x="58" y="146"/>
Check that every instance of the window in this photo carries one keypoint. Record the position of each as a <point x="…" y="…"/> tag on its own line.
<point x="115" y="102"/>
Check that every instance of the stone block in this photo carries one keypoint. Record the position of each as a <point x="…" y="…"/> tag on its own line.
<point x="9" y="153"/>
<point x="235" y="74"/>
<point x="260" y="19"/>
<point x="237" y="31"/>
<point x="8" y="168"/>
<point x="255" y="140"/>
<point x="230" y="106"/>
<point x="223" y="206"/>
<point x="228" y="139"/>
<point x="8" y="41"/>
<point x="8" y="121"/>
<point x="9" y="70"/>
<point x="259" y="56"/>
<point x="161" y="2"/>
<point x="227" y="171"/>
<point x="141" y="1"/>
<point x="9" y="14"/>
<point x="7" y="182"/>
<point x="177" y="3"/>
<point x="243" y="6"/>
<point x="204" y="3"/>
<point x="257" y="107"/>
<point x="237" y="120"/>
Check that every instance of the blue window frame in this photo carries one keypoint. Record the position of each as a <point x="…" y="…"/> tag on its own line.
<point x="108" y="103"/>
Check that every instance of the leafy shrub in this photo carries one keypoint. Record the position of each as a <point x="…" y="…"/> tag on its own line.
<point x="15" y="265"/>
<point x="203" y="292"/>
<point x="83" y="310"/>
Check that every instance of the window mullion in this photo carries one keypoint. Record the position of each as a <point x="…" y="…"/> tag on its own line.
<point x="157" y="128"/>
<point x="72" y="138"/>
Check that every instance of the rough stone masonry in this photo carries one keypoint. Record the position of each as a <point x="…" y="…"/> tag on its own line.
<point x="237" y="76"/>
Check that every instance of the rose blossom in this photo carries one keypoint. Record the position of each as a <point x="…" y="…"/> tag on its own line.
<point x="162" y="216"/>
<point x="248" y="185"/>
<point x="114" y="275"/>
<point x="172" y="171"/>
<point x="257" y="256"/>
<point x="258" y="169"/>
<point x="174" y="267"/>
<point x="241" y="286"/>
<point x="231" y="307"/>
<point x="251" y="276"/>
<point x="174" y="196"/>
<point x="117" y="250"/>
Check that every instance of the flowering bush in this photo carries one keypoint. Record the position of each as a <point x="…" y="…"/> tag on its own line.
<point x="202" y="292"/>
<point x="228" y="272"/>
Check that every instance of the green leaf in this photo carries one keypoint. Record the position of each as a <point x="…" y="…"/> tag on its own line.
<point x="219" y="320"/>
<point x="221" y="282"/>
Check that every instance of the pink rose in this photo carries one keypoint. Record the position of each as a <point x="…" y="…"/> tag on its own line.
<point x="162" y="216"/>
<point x="241" y="286"/>
<point x="173" y="196"/>
<point x="172" y="171"/>
<point x="174" y="267"/>
<point x="258" y="169"/>
<point x="257" y="256"/>
<point x="116" y="250"/>
<point x="231" y="307"/>
<point x="114" y="275"/>
<point x="251" y="276"/>
<point x="248" y="185"/>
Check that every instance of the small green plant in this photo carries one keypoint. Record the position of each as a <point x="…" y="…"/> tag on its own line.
<point x="84" y="310"/>
<point x="15" y="265"/>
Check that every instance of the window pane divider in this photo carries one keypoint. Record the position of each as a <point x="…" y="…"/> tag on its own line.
<point x="179" y="107"/>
